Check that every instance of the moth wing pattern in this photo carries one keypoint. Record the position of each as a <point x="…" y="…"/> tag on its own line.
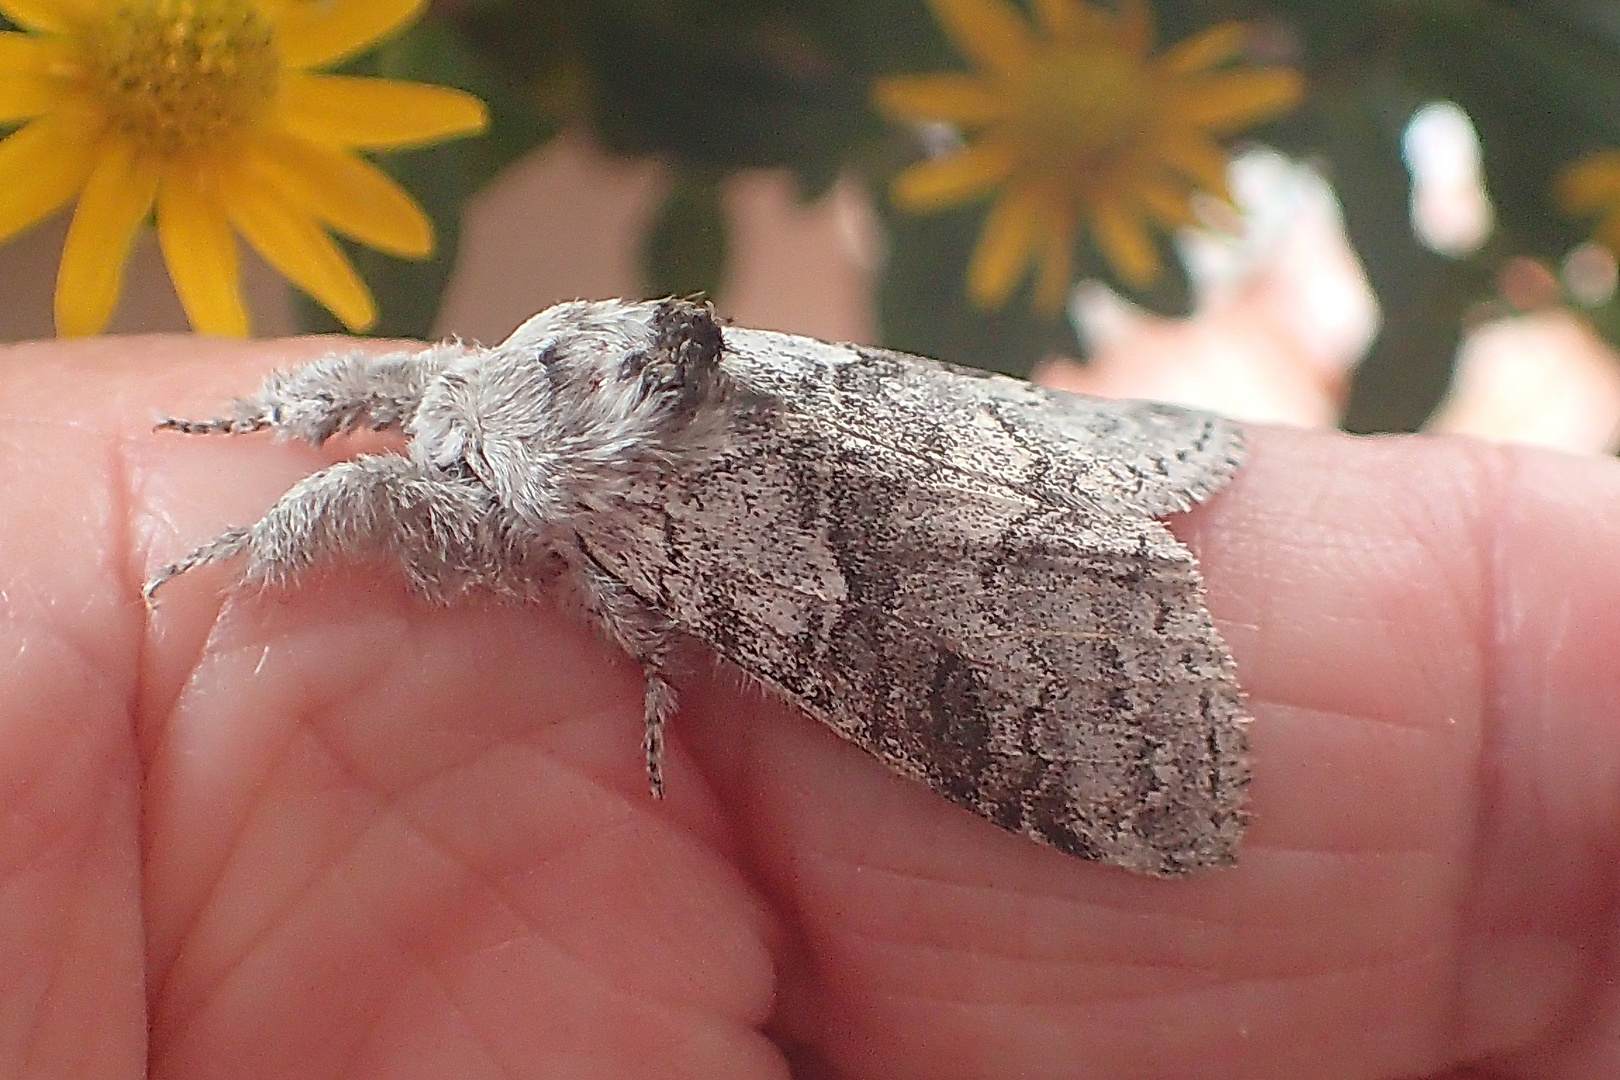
<point x="1108" y="455"/>
<point x="1040" y="656"/>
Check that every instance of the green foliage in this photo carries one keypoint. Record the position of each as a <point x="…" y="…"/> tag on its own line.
<point x="684" y="250"/>
<point x="713" y="87"/>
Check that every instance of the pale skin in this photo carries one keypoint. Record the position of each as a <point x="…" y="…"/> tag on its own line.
<point x="333" y="832"/>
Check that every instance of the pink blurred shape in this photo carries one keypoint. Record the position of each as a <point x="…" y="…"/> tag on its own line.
<point x="1284" y="311"/>
<point x="1545" y="379"/>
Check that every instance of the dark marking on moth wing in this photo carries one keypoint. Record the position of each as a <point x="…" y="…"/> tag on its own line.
<point x="958" y="714"/>
<point x="1049" y="814"/>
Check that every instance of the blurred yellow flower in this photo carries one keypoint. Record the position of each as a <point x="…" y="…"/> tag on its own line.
<point x="1590" y="187"/>
<point x="1083" y="128"/>
<point x="207" y="114"/>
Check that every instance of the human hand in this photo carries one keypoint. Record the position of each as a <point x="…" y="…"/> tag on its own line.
<point x="333" y="832"/>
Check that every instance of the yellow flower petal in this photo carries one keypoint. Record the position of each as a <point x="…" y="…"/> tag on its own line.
<point x="1235" y="99"/>
<point x="1003" y="248"/>
<point x="1077" y="110"/>
<point x="1591" y="183"/>
<point x="1205" y="50"/>
<point x="293" y="242"/>
<point x="1133" y="27"/>
<point x="987" y="31"/>
<point x="26" y="87"/>
<point x="42" y="166"/>
<point x="1195" y="156"/>
<point x="352" y="196"/>
<point x="47" y="16"/>
<point x="201" y="255"/>
<point x="1071" y="22"/>
<point x="1056" y="270"/>
<point x="116" y="199"/>
<point x="957" y="99"/>
<point x="1165" y="200"/>
<point x="1125" y="243"/>
<point x="973" y="170"/>
<point x="375" y="114"/>
<point x="314" y="33"/>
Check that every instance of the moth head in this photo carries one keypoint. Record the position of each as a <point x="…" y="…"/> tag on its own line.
<point x="577" y="403"/>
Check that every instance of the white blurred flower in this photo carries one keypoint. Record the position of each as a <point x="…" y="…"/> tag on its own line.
<point x="1451" y="212"/>
<point x="1284" y="311"/>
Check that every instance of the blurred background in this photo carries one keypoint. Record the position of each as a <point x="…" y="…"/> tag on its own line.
<point x="1419" y="234"/>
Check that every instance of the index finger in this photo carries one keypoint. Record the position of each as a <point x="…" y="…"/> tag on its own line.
<point x="1425" y="631"/>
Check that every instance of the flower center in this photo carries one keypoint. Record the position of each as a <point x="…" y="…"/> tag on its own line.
<point x="1079" y="109"/>
<point x="179" y="75"/>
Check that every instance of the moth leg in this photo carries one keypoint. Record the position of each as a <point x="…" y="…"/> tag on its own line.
<point x="645" y="635"/>
<point x="437" y="528"/>
<point x="224" y="546"/>
<point x="340" y="392"/>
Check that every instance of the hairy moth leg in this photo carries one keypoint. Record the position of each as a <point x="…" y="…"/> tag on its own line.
<point x="645" y="635"/>
<point x="436" y="527"/>
<point x="340" y="392"/>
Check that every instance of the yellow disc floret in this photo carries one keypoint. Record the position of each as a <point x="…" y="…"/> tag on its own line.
<point x="174" y="76"/>
<point x="209" y="119"/>
<point x="1079" y="108"/>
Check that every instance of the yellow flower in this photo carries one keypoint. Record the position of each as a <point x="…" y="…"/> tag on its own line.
<point x="1591" y="186"/>
<point x="1083" y="127"/>
<point x="206" y="114"/>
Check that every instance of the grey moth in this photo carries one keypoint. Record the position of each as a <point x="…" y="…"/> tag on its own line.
<point x="961" y="573"/>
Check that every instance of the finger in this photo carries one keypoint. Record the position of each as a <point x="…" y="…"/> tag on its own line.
<point x="70" y="940"/>
<point x="1423" y="628"/>
<point x="382" y="837"/>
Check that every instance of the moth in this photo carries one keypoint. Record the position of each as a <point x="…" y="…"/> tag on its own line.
<point x="961" y="573"/>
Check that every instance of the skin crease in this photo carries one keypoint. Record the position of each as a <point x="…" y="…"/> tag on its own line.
<point x="334" y="833"/>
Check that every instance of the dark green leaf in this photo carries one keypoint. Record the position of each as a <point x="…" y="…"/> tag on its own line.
<point x="684" y="250"/>
<point x="1423" y="295"/>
